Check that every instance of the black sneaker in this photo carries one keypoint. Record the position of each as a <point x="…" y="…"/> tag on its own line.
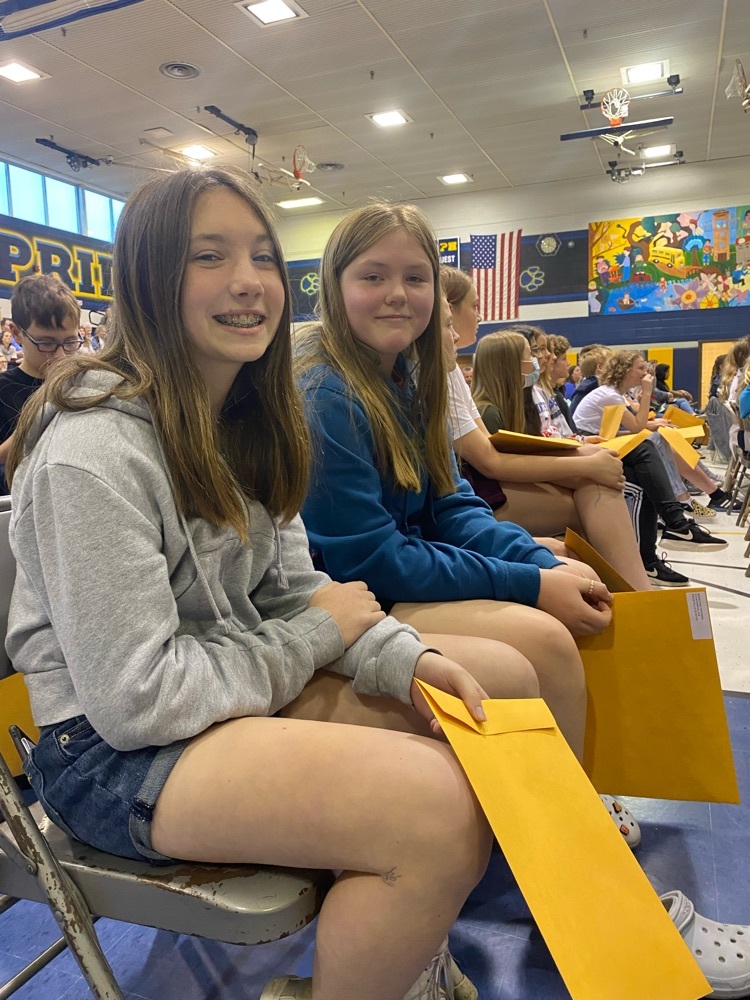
<point x="661" y="574"/>
<point x="721" y="500"/>
<point x="694" y="536"/>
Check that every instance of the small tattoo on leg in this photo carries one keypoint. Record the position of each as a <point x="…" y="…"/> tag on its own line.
<point x="391" y="876"/>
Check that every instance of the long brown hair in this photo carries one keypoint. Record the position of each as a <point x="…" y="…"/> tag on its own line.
<point x="400" y="455"/>
<point x="259" y="448"/>
<point x="498" y="380"/>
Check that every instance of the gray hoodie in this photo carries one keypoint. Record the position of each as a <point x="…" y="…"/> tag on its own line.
<point x="153" y="625"/>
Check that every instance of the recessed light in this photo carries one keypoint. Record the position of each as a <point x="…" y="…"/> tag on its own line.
<point x="387" y="119"/>
<point x="18" y="73"/>
<point x="179" y="70"/>
<point x="272" y="11"/>
<point x="654" y="152"/>
<point x="455" y="179"/>
<point x="645" y="72"/>
<point x="197" y="152"/>
<point x="300" y="203"/>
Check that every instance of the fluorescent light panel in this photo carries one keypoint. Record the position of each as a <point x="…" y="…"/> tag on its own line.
<point x="654" y="152"/>
<point x="272" y="11"/>
<point x="389" y="119"/>
<point x="300" y="203"/>
<point x="18" y="73"/>
<point x="197" y="152"/>
<point x="645" y="72"/>
<point x="455" y="179"/>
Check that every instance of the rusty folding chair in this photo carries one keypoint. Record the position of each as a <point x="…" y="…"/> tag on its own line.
<point x="236" y="904"/>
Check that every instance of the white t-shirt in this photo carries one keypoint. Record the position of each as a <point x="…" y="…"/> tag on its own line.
<point x="554" y="424"/>
<point x="462" y="411"/>
<point x="591" y="408"/>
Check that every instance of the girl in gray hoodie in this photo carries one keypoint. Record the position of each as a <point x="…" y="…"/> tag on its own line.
<point x="202" y="692"/>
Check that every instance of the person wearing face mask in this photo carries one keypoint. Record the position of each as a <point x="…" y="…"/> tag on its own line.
<point x="544" y="494"/>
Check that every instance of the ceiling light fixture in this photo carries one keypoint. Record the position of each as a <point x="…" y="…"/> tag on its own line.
<point x="389" y="119"/>
<point x="300" y="203"/>
<point x="272" y="11"/>
<point x="455" y="179"/>
<point x="179" y="70"/>
<point x="197" y="152"/>
<point x="18" y="73"/>
<point x="654" y="152"/>
<point x="645" y="72"/>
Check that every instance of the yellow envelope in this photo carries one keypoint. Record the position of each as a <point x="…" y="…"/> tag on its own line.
<point x="679" y="445"/>
<point x="529" y="444"/>
<point x="677" y="416"/>
<point x="606" y="928"/>
<point x="625" y="442"/>
<point x="656" y="724"/>
<point x="16" y="710"/>
<point x="588" y="554"/>
<point x="611" y="420"/>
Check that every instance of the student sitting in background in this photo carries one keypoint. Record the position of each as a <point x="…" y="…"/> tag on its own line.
<point x="591" y="360"/>
<point x="45" y="318"/>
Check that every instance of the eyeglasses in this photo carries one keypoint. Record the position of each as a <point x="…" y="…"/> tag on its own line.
<point x="535" y="350"/>
<point x="51" y="346"/>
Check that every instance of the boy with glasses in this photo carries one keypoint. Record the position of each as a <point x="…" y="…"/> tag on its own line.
<point x="44" y="320"/>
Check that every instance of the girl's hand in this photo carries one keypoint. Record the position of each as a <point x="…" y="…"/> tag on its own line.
<point x="577" y="568"/>
<point x="605" y="469"/>
<point x="352" y="607"/>
<point x="449" y="676"/>
<point x="581" y="605"/>
<point x="647" y="384"/>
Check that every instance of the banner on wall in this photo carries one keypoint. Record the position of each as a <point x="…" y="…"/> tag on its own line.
<point x="84" y="264"/>
<point x="449" y="249"/>
<point x="664" y="263"/>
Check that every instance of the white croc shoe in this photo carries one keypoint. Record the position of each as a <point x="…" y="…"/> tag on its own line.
<point x="287" y="988"/>
<point x="443" y="980"/>
<point x="625" y="821"/>
<point x="721" y="950"/>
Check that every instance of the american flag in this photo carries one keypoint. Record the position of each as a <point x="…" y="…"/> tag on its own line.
<point x="495" y="270"/>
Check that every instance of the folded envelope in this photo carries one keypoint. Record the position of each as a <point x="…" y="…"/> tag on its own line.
<point x="677" y="416"/>
<point x="625" y="443"/>
<point x="611" y="420"/>
<point x="607" y="930"/>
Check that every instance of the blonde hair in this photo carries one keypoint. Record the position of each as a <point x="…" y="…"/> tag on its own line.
<point x="734" y="361"/>
<point x="497" y="377"/>
<point x="617" y="366"/>
<point x="259" y="448"/>
<point x="590" y="361"/>
<point x="456" y="284"/>
<point x="401" y="455"/>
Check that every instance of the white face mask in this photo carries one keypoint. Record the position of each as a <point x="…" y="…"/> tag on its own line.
<point x="531" y="378"/>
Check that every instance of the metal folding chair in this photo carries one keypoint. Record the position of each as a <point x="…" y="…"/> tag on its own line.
<point x="237" y="904"/>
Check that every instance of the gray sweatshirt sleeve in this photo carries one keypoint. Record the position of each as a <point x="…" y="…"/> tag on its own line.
<point x="380" y="662"/>
<point x="114" y="621"/>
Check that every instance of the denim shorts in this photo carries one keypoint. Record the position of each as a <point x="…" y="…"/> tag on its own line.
<point x="98" y="795"/>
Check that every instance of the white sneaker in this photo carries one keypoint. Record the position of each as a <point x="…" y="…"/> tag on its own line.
<point x="443" y="980"/>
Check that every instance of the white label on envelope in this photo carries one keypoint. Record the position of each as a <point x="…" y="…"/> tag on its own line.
<point x="700" y="622"/>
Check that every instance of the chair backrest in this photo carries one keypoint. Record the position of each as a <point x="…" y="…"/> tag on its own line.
<point x="7" y="579"/>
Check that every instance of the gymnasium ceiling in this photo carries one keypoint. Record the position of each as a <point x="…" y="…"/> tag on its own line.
<point x="490" y="86"/>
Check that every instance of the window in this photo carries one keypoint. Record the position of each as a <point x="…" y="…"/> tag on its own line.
<point x="4" y="206"/>
<point x="98" y="216"/>
<point x="117" y="207"/>
<point x="26" y="194"/>
<point x="62" y="205"/>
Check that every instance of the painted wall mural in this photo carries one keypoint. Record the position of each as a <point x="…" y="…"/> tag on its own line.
<point x="663" y="263"/>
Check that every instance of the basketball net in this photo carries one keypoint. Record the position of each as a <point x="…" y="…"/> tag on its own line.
<point x="615" y="105"/>
<point x="302" y="163"/>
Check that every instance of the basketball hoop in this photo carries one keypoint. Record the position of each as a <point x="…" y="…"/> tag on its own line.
<point x="302" y="163"/>
<point x="615" y="105"/>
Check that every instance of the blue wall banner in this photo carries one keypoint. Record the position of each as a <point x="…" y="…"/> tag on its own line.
<point x="84" y="264"/>
<point x="449" y="249"/>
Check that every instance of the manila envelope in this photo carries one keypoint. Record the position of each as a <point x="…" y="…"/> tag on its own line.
<point x="655" y="724"/>
<point x="611" y="420"/>
<point x="679" y="445"/>
<point x="677" y="416"/>
<point x="625" y="442"/>
<point x="606" y="928"/>
<point x="529" y="444"/>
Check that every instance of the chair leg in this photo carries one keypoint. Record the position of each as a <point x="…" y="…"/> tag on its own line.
<point x="63" y="896"/>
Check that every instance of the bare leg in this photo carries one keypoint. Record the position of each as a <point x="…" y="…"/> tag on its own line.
<point x="695" y="476"/>
<point x="596" y="512"/>
<point x="543" y="640"/>
<point x="393" y="811"/>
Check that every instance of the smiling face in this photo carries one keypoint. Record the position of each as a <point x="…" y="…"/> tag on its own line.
<point x="466" y="318"/>
<point x="233" y="292"/>
<point x="388" y="294"/>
